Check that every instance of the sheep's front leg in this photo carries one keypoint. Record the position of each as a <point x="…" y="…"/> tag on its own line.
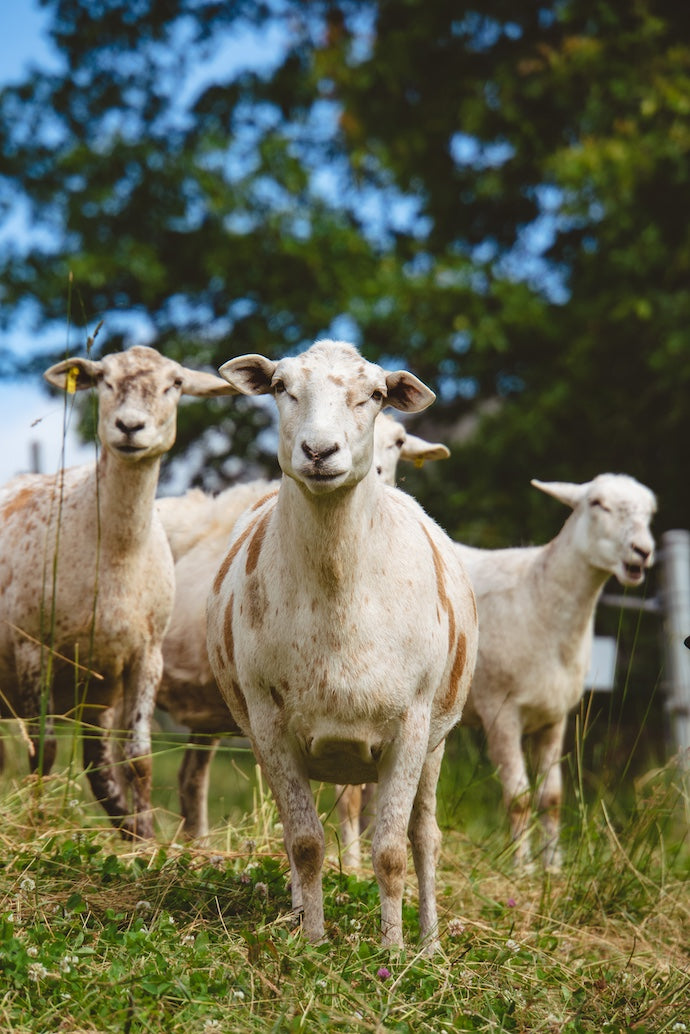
<point x="36" y="704"/>
<point x="303" y="834"/>
<point x="193" y="779"/>
<point x="425" y="839"/>
<point x="399" y="778"/>
<point x="140" y="690"/>
<point x="98" y="765"/>
<point x="549" y="749"/>
<point x="504" y="743"/>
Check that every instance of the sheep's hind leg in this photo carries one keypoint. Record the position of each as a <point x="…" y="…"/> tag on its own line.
<point x="425" y="839"/>
<point x="349" y="806"/>
<point x="193" y="779"/>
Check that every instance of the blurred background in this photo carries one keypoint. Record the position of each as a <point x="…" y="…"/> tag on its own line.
<point x="495" y="196"/>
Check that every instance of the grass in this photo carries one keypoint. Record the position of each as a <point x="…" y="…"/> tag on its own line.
<point x="99" y="936"/>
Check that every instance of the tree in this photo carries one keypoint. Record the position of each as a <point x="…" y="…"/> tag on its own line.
<point x="493" y="195"/>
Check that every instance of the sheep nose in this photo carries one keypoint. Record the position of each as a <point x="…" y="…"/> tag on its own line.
<point x="641" y="552"/>
<point x="130" y="428"/>
<point x="316" y="455"/>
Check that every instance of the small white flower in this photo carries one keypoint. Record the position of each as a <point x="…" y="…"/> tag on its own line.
<point x="144" y="907"/>
<point x="188" y="938"/>
<point x="239" y="995"/>
<point x="37" y="971"/>
<point x="27" y="885"/>
<point x="456" y="928"/>
<point x="342" y="898"/>
<point x="679" y="1026"/>
<point x="32" y="951"/>
<point x="322" y="984"/>
<point x="211" y="1025"/>
<point x="512" y="945"/>
<point x="261" y="889"/>
<point x="74" y="802"/>
<point x="171" y="920"/>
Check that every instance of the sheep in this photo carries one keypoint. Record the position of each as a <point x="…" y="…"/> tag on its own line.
<point x="536" y="614"/>
<point x="198" y="528"/>
<point x="342" y="628"/>
<point x="87" y="577"/>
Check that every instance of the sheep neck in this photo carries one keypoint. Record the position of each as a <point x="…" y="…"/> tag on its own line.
<point x="126" y="493"/>
<point x="326" y="536"/>
<point x="574" y="585"/>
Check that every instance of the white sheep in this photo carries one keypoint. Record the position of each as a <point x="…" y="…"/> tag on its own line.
<point x="536" y="615"/>
<point x="341" y="626"/>
<point x="86" y="577"/>
<point x="198" y="528"/>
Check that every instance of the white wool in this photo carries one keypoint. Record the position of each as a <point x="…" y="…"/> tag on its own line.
<point x="536" y="614"/>
<point x="341" y="626"/>
<point x="85" y="568"/>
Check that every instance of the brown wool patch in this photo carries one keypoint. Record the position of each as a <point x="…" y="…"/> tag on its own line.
<point x="451" y="627"/>
<point x="277" y="698"/>
<point x="255" y="596"/>
<point x="239" y="704"/>
<point x="254" y="548"/>
<point x="455" y="673"/>
<point x="22" y="499"/>
<point x="227" y="563"/>
<point x="264" y="498"/>
<point x="227" y="632"/>
<point x="439" y="570"/>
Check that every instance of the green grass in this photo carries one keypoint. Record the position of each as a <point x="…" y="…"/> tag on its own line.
<point x="98" y="936"/>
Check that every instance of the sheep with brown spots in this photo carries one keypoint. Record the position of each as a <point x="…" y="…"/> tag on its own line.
<point x="87" y="579"/>
<point x="536" y="613"/>
<point x="342" y="629"/>
<point x="198" y="528"/>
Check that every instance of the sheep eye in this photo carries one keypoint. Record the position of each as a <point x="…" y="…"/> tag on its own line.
<point x="377" y="395"/>
<point x="177" y="383"/>
<point x="400" y="442"/>
<point x="598" y="502"/>
<point x="278" y="388"/>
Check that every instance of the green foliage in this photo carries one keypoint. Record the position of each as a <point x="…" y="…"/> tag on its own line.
<point x="97" y="936"/>
<point x="494" y="198"/>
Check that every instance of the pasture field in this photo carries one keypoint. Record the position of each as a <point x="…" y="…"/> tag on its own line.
<point x="97" y="935"/>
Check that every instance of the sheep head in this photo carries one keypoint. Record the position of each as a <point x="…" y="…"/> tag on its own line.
<point x="610" y="523"/>
<point x="328" y="399"/>
<point x="138" y="393"/>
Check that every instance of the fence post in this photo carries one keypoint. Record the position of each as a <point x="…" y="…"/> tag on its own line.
<point x="675" y="557"/>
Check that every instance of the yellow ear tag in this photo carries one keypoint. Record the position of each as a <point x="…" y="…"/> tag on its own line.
<point x="419" y="463"/>
<point x="72" y="379"/>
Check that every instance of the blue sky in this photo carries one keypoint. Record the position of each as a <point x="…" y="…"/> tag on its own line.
<point x="27" y="413"/>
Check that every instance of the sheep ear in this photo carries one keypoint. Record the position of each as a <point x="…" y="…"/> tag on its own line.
<point x="205" y="385"/>
<point x="73" y="374"/>
<point x="565" y="491"/>
<point x="407" y="393"/>
<point x="249" y="374"/>
<point x="417" y="450"/>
